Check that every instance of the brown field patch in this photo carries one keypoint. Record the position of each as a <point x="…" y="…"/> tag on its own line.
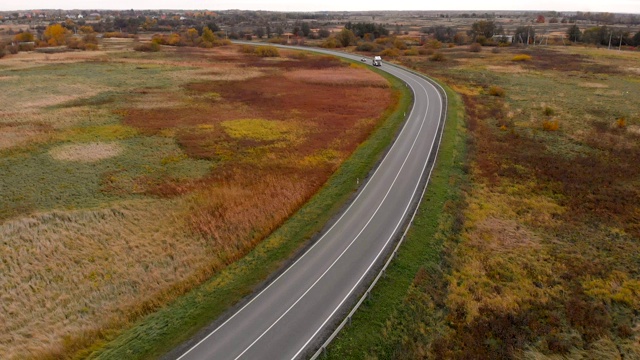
<point x="91" y="152"/>
<point x="13" y="135"/>
<point x="509" y="69"/>
<point x="339" y="76"/>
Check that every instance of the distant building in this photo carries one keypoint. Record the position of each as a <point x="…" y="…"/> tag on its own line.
<point x="508" y="39"/>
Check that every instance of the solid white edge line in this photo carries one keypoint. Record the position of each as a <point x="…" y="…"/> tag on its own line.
<point x="355" y="239"/>
<point x="424" y="190"/>
<point x="317" y="242"/>
<point x="402" y="218"/>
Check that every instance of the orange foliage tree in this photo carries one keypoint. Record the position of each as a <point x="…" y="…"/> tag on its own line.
<point x="23" y="37"/>
<point x="55" y="35"/>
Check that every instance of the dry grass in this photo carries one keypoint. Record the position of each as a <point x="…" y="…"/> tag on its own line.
<point x="160" y="196"/>
<point x="65" y="273"/>
<point x="342" y="76"/>
<point x="90" y="152"/>
<point x="544" y="265"/>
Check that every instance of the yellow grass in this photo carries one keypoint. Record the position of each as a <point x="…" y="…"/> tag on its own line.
<point x="59" y="275"/>
<point x="263" y="130"/>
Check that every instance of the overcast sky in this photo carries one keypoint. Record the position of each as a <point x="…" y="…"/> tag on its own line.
<point x="625" y="6"/>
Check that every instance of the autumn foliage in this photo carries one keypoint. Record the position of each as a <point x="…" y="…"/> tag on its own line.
<point x="55" y="35"/>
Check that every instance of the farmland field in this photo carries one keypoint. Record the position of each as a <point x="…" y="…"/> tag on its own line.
<point x="535" y="255"/>
<point x="127" y="179"/>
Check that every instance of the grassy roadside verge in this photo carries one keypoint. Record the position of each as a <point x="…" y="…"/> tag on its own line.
<point x="160" y="332"/>
<point x="371" y="333"/>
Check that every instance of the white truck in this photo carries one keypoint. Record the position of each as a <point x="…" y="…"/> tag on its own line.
<point x="377" y="61"/>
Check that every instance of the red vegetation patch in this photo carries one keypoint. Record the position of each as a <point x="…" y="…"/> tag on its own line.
<point x="258" y="182"/>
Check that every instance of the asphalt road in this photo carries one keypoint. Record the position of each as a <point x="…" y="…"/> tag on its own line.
<point x="285" y="319"/>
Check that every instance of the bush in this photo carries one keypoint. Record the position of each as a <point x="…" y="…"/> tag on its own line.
<point x="267" y="51"/>
<point x="392" y="52"/>
<point x="331" y="43"/>
<point x="147" y="47"/>
<point x="521" y="57"/>
<point x="13" y="49"/>
<point x="550" y="125"/>
<point x="437" y="56"/>
<point x="411" y="52"/>
<point x="548" y="111"/>
<point x="621" y="123"/>
<point x="433" y="44"/>
<point x="2" y="53"/>
<point x="495" y="50"/>
<point x="26" y="47"/>
<point x="247" y="49"/>
<point x="475" y="47"/>
<point x="116" y="34"/>
<point x="365" y="46"/>
<point x="496" y="91"/>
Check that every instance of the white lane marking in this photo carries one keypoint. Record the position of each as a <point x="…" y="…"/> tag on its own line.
<point x="385" y="244"/>
<point x="354" y="239"/>
<point x="404" y="127"/>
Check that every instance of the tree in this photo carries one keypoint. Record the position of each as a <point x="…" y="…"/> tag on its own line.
<point x="306" y="29"/>
<point x="191" y="36"/>
<point x="574" y="33"/>
<point x="540" y="19"/>
<point x="484" y="28"/>
<point x="213" y="26"/>
<point x="598" y="35"/>
<point x="208" y="37"/>
<point x="324" y="33"/>
<point x="441" y="33"/>
<point x="524" y="34"/>
<point x="23" y="37"/>
<point x="346" y="37"/>
<point x="55" y="35"/>
<point x="636" y="39"/>
<point x="259" y="32"/>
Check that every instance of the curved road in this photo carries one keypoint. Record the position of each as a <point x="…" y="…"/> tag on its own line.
<point x="285" y="319"/>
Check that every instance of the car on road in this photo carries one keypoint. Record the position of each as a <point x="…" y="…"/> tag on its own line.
<point x="363" y="59"/>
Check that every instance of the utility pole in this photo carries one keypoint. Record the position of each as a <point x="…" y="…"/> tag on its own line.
<point x="610" y="35"/>
<point x="620" y="45"/>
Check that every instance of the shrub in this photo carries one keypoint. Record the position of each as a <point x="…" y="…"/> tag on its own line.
<point x="390" y="53"/>
<point x="496" y="91"/>
<point x="267" y="51"/>
<point x="437" y="56"/>
<point x="411" y="52"/>
<point x="475" y="47"/>
<point x="621" y="123"/>
<point x="365" y="46"/>
<point x="331" y="43"/>
<point x="246" y="49"/>
<point x="495" y="50"/>
<point x="433" y="44"/>
<point x="399" y="44"/>
<point x="2" y="53"/>
<point x="13" y="49"/>
<point x="147" y="47"/>
<point x="277" y="40"/>
<point x="521" y="57"/>
<point x="550" y="125"/>
<point x="548" y="111"/>
<point x="26" y="47"/>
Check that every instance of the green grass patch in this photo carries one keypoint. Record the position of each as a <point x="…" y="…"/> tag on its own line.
<point x="369" y="333"/>
<point x="45" y="180"/>
<point x="162" y="331"/>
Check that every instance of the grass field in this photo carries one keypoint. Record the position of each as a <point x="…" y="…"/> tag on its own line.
<point x="538" y="257"/>
<point x="127" y="180"/>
